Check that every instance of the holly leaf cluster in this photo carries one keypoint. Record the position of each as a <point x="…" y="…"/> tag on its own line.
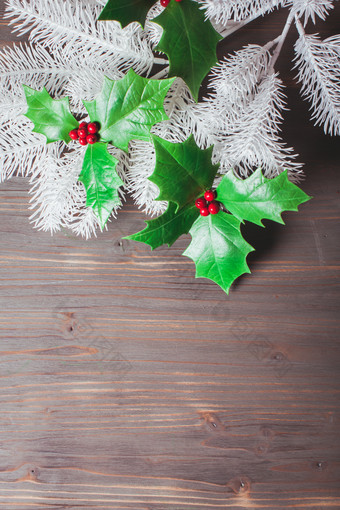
<point x="127" y="109"/>
<point x="124" y="110"/>
<point x="183" y="172"/>
<point x="189" y="40"/>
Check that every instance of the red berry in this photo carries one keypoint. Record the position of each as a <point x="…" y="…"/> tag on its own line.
<point x="83" y="125"/>
<point x="93" y="127"/>
<point x="200" y="202"/>
<point x="204" y="211"/>
<point x="209" y="195"/>
<point x="82" y="132"/>
<point x="214" y="207"/>
<point x="91" y="139"/>
<point x="82" y="141"/>
<point x="164" y="3"/>
<point x="74" y="134"/>
<point x="178" y="0"/>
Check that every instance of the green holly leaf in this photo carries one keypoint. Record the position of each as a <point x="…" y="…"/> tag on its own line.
<point x="257" y="197"/>
<point x="101" y="181"/>
<point x="127" y="109"/>
<point x="168" y="227"/>
<point x="126" y="12"/>
<point x="189" y="40"/>
<point x="218" y="249"/>
<point x="183" y="171"/>
<point x="50" y="117"/>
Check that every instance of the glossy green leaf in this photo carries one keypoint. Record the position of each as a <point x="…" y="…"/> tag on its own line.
<point x="101" y="181"/>
<point x="50" y="117"/>
<point x="127" y="109"/>
<point x="183" y="171"/>
<point x="168" y="227"/>
<point x="257" y="197"/>
<point x="218" y="249"/>
<point x="126" y="11"/>
<point x="189" y="40"/>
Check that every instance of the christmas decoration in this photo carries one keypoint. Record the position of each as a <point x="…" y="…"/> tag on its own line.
<point x="126" y="110"/>
<point x="217" y="248"/>
<point x="89" y="109"/>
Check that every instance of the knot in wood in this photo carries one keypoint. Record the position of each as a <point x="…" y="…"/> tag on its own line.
<point x="240" y="485"/>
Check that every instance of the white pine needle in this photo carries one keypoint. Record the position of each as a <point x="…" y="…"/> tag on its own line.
<point x="51" y="187"/>
<point x="84" y="223"/>
<point x="318" y="63"/>
<point x="58" y="199"/>
<point x="253" y="141"/>
<point x="11" y="105"/>
<point x="74" y="28"/>
<point x="153" y="31"/>
<point x="242" y="117"/>
<point x="311" y="8"/>
<point x="142" y="161"/>
<point x="33" y="66"/>
<point x="20" y="148"/>
<point x="221" y="11"/>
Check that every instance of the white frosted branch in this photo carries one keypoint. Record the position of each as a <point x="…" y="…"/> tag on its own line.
<point x="20" y="148"/>
<point x="309" y="9"/>
<point x="280" y="41"/>
<point x="222" y="11"/>
<point x="318" y="64"/>
<point x="75" y="29"/>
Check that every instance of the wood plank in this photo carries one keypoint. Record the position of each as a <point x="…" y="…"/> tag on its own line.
<point x="127" y="384"/>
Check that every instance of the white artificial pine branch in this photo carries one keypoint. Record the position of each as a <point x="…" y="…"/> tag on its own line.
<point x="242" y="116"/>
<point x="51" y="188"/>
<point x="84" y="224"/>
<point x="153" y="31"/>
<point x="142" y="161"/>
<point x="221" y="11"/>
<point x="11" y="106"/>
<point x="253" y="141"/>
<point x="33" y="66"/>
<point x="318" y="63"/>
<point x="279" y="41"/>
<point x="311" y="8"/>
<point x="25" y="64"/>
<point x="21" y="150"/>
<point x="58" y="198"/>
<point x="233" y="81"/>
<point x="74" y="28"/>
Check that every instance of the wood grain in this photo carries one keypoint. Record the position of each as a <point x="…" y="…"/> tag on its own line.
<point x="127" y="384"/>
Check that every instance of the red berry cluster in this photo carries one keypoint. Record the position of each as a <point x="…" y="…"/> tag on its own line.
<point x="86" y="133"/>
<point x="208" y="204"/>
<point x="164" y="3"/>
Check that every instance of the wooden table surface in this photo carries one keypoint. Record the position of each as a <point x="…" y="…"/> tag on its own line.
<point x="127" y="384"/>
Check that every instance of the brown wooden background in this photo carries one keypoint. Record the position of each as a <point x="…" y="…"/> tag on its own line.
<point x="128" y="384"/>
